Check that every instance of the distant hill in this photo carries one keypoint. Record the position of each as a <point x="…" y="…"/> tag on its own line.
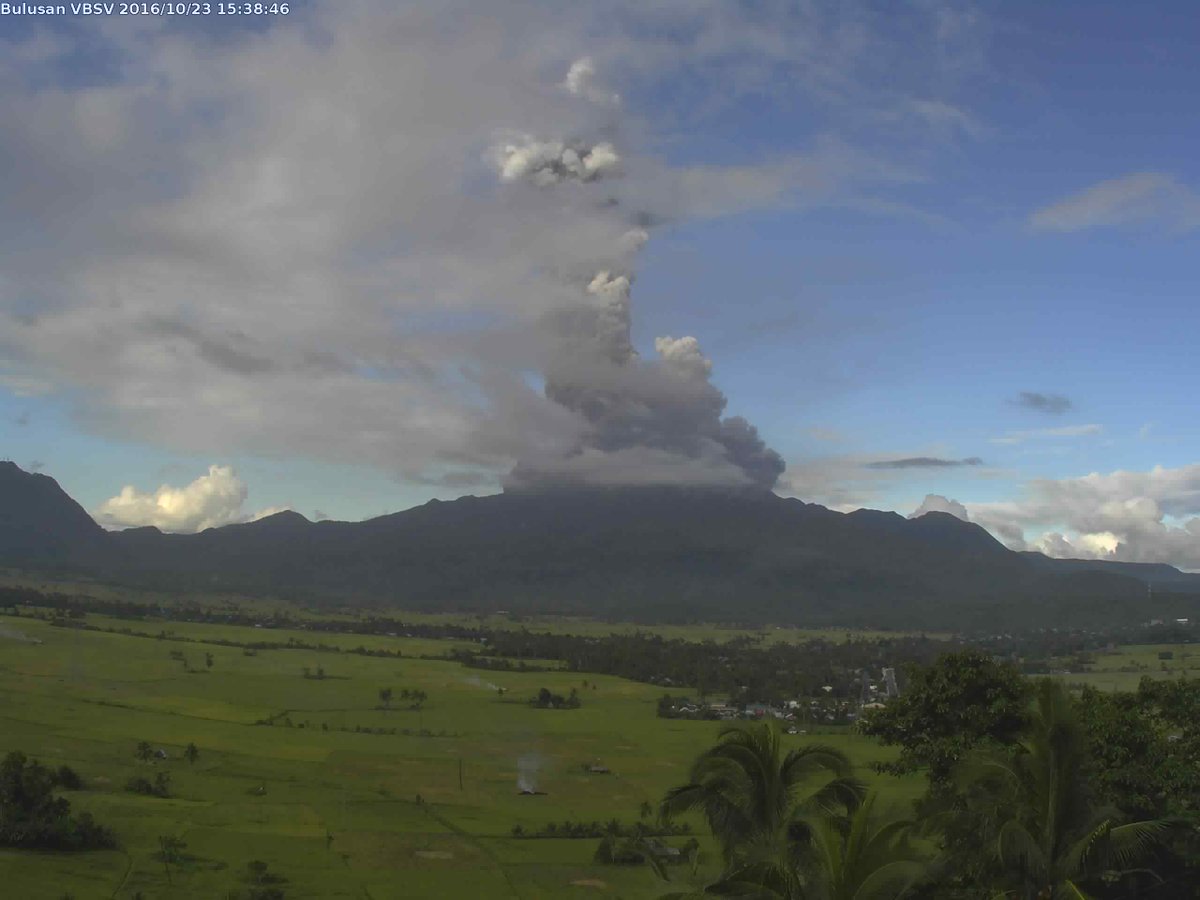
<point x="641" y="554"/>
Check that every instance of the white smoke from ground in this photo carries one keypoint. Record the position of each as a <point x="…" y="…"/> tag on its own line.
<point x="529" y="768"/>
<point x="476" y="681"/>
<point x="14" y="634"/>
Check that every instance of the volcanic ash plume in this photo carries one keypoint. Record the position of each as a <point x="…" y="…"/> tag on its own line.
<point x="645" y="422"/>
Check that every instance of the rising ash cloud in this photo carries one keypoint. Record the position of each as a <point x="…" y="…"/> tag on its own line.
<point x="645" y="421"/>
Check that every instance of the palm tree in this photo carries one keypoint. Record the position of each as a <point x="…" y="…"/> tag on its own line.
<point x="865" y="857"/>
<point x="862" y="856"/>
<point x="761" y="805"/>
<point x="1047" y="838"/>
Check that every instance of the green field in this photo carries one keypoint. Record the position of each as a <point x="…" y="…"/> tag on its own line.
<point x="336" y="811"/>
<point x="163" y="600"/>
<point x="1123" y="668"/>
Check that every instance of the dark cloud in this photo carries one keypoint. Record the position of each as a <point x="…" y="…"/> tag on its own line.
<point x="35" y="465"/>
<point x="924" y="462"/>
<point x="1053" y="404"/>
<point x="222" y="353"/>
<point x="319" y="515"/>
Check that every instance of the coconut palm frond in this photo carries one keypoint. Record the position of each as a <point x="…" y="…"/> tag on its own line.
<point x="1017" y="848"/>
<point x="891" y="880"/>
<point x="838" y="796"/>
<point x="1131" y="843"/>
<point x="1069" y="890"/>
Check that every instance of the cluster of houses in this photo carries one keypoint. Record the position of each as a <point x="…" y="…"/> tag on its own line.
<point x="826" y="710"/>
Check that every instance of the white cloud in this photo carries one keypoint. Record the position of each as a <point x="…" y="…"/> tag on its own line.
<point x="946" y="117"/>
<point x="938" y="503"/>
<point x="212" y="500"/>
<point x="1151" y="516"/>
<point x="1140" y="198"/>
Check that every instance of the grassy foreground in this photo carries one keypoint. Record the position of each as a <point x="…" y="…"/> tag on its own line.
<point x="333" y="810"/>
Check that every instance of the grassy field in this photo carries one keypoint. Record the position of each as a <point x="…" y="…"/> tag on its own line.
<point x="334" y="811"/>
<point x="161" y="600"/>
<point x="1122" y="668"/>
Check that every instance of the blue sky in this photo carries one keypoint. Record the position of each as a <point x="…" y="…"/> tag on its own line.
<point x="323" y="262"/>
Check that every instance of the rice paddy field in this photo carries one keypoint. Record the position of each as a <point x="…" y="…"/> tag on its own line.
<point x="337" y="794"/>
<point x="1123" y="668"/>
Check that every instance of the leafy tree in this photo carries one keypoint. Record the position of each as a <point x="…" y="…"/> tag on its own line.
<point x="31" y="816"/>
<point x="170" y="851"/>
<point x="208" y="660"/>
<point x="962" y="701"/>
<point x="385" y="697"/>
<point x="759" y="801"/>
<point x="144" y="751"/>
<point x="191" y="754"/>
<point x="1031" y="808"/>
<point x="1144" y="746"/>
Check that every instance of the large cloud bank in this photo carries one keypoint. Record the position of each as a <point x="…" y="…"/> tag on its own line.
<point x="405" y="235"/>
<point x="1151" y="516"/>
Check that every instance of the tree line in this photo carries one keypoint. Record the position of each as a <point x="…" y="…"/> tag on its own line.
<point x="1031" y="794"/>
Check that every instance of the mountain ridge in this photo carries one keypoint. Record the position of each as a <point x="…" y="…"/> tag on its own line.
<point x="645" y="554"/>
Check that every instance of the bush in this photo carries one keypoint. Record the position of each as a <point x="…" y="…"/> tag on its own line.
<point x="68" y="779"/>
<point x="160" y="787"/>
